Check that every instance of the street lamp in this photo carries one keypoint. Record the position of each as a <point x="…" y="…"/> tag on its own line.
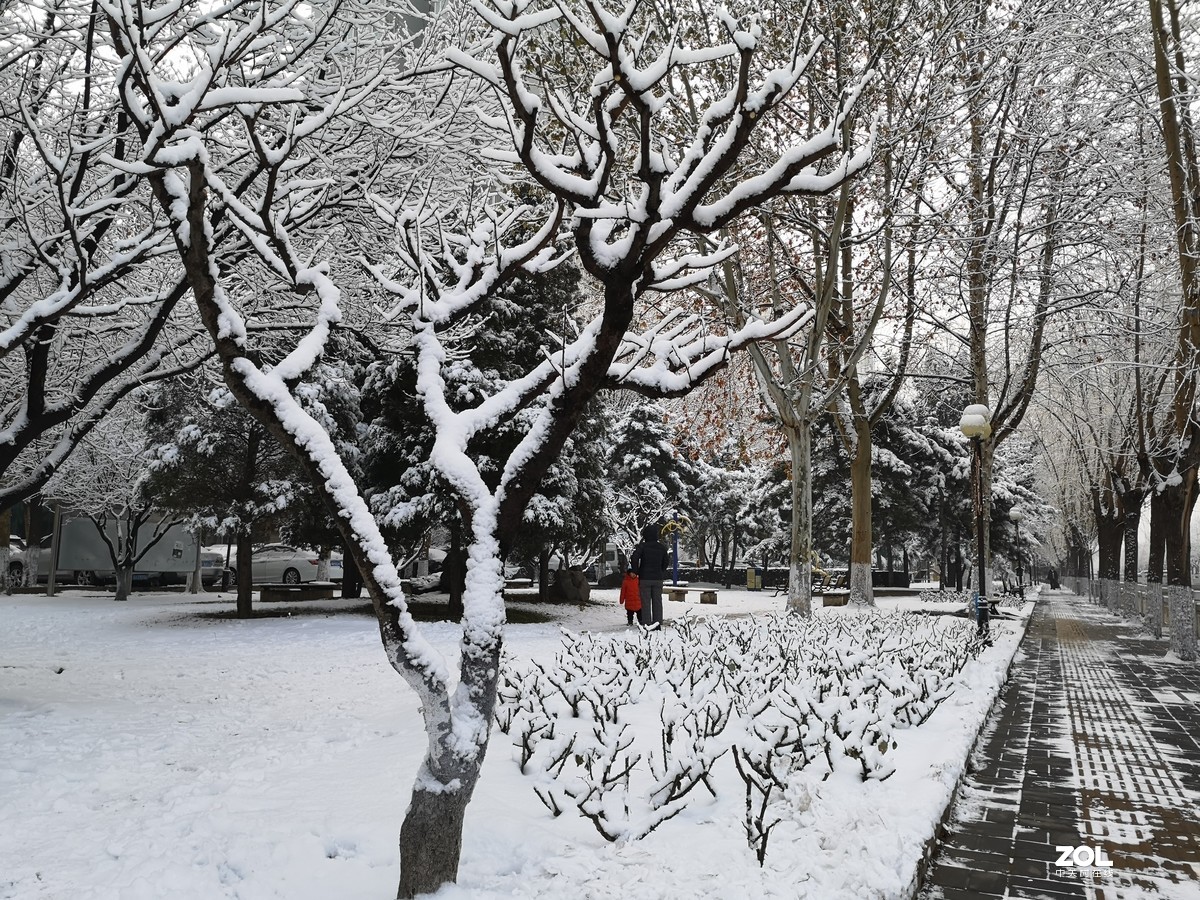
<point x="1016" y="515"/>
<point x="976" y="426"/>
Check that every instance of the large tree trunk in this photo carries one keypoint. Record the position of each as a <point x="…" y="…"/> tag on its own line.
<point x="431" y="834"/>
<point x="431" y="839"/>
<point x="800" y="556"/>
<point x="1132" y="501"/>
<point x="1110" y="530"/>
<point x="1178" y="502"/>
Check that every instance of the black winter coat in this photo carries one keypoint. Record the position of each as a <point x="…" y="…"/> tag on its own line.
<point x="650" y="561"/>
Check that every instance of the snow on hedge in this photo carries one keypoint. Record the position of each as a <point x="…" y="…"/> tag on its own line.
<point x="628" y="732"/>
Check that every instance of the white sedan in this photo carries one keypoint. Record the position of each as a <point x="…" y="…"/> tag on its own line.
<point x="281" y="564"/>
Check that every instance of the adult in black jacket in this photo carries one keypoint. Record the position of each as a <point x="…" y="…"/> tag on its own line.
<point x="649" y="561"/>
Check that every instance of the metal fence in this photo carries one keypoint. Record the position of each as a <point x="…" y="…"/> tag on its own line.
<point x="1159" y="608"/>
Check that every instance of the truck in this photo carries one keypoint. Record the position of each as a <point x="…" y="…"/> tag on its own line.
<point x="83" y="557"/>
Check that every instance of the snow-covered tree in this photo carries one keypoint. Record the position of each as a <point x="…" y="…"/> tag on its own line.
<point x="222" y="471"/>
<point x="107" y="479"/>
<point x="725" y="519"/>
<point x="647" y="475"/>
<point x="636" y="180"/>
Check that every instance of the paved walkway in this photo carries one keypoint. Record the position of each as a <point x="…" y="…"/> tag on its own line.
<point x="1095" y="743"/>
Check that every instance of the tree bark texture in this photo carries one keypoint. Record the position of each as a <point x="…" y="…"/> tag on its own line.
<point x="1132" y="501"/>
<point x="1178" y="501"/>
<point x="431" y="839"/>
<point x="124" y="582"/>
<point x="1183" y="622"/>
<point x="1110" y="531"/>
<point x="1156" y="564"/>
<point x="245" y="580"/>
<point x="861" y="590"/>
<point x="1154" y="609"/>
<point x="801" y="553"/>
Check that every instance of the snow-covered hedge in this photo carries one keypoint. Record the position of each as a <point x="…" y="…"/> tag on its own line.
<point x="626" y="729"/>
<point x="1008" y="599"/>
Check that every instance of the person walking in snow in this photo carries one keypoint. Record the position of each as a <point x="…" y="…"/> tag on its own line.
<point x="649" y="563"/>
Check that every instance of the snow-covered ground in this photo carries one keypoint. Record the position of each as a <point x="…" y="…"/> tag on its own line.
<point x="158" y="748"/>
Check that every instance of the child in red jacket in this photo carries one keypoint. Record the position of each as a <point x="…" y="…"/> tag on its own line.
<point x="631" y="596"/>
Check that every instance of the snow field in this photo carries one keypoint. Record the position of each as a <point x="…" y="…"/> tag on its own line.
<point x="182" y="755"/>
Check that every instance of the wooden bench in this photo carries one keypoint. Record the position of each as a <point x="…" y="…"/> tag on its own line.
<point x="679" y="594"/>
<point x="312" y="590"/>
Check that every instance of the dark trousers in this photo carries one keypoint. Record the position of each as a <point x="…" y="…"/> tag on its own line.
<point x="652" y="610"/>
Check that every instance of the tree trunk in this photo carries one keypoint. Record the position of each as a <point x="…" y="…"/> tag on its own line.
<point x="352" y="584"/>
<point x="1156" y="563"/>
<point x="1183" y="622"/>
<point x="800" y="556"/>
<point x="124" y="581"/>
<point x="861" y="590"/>
<point x="944" y="579"/>
<point x="455" y="569"/>
<point x="544" y="575"/>
<point x="431" y="839"/>
<point x="33" y="543"/>
<point x="1178" y="502"/>
<point x="1110" y="530"/>
<point x="245" y="576"/>
<point x="1132" y="501"/>
<point x="195" y="583"/>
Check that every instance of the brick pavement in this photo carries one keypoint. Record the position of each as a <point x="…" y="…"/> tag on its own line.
<point x="1093" y="742"/>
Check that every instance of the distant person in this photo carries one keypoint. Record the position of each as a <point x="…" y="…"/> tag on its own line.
<point x="631" y="596"/>
<point x="649" y="563"/>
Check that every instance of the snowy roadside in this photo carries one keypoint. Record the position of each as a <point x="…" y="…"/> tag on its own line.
<point x="184" y="754"/>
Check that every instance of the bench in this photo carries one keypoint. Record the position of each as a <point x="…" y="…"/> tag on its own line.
<point x="312" y="590"/>
<point x="679" y="594"/>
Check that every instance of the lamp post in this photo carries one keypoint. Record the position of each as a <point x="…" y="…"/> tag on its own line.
<point x="673" y="527"/>
<point x="1016" y="515"/>
<point x="976" y="426"/>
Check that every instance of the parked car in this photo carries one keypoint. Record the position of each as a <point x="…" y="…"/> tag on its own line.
<point x="16" y="565"/>
<point x="16" y="547"/>
<point x="282" y="564"/>
<point x="212" y="564"/>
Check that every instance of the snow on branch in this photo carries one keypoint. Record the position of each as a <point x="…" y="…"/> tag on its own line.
<point x="678" y="352"/>
<point x="448" y="266"/>
<point x="611" y="156"/>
